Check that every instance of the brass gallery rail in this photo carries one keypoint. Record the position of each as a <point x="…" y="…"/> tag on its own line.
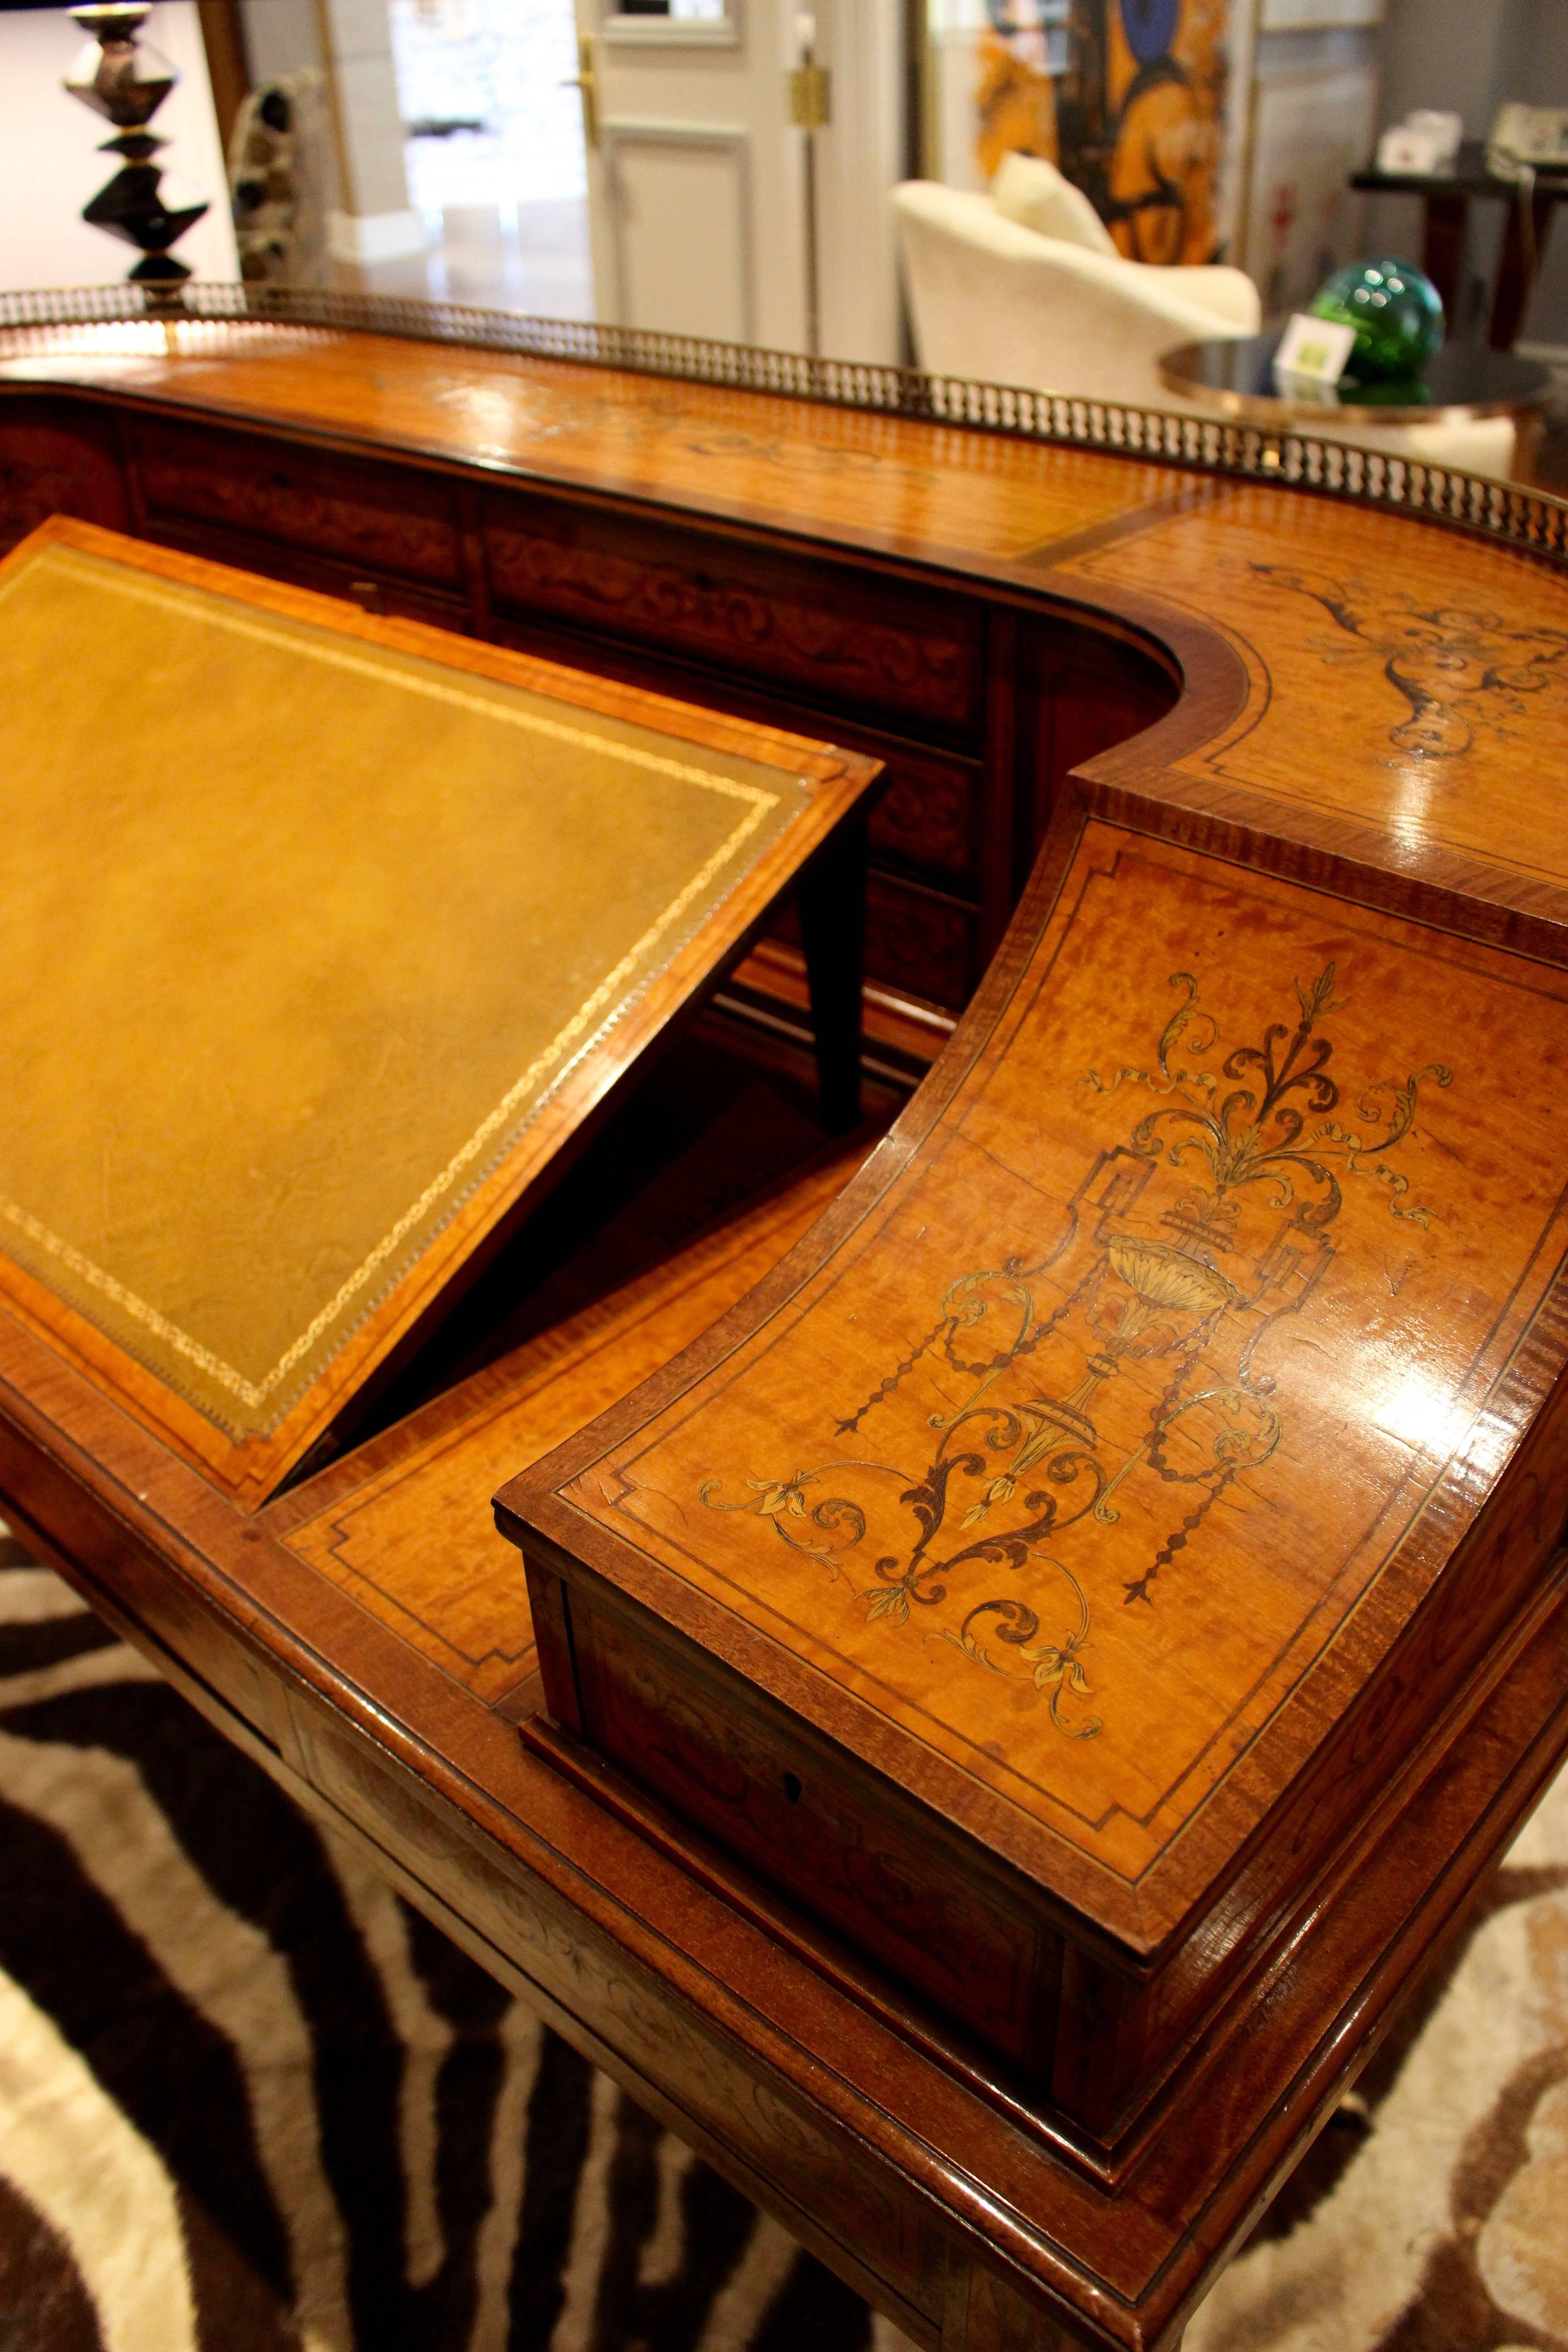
<point x="1496" y="511"/>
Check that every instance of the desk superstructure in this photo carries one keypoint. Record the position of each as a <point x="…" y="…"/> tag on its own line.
<point x="1346" y="722"/>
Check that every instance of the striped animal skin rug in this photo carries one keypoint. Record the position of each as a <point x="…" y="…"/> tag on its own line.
<point x="250" y="2101"/>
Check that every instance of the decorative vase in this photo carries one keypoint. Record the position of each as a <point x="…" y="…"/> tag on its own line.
<point x="1397" y="314"/>
<point x="126" y="81"/>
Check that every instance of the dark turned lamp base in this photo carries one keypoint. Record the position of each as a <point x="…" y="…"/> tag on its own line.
<point x="127" y="81"/>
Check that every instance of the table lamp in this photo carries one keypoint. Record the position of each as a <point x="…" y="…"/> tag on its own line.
<point x="127" y="80"/>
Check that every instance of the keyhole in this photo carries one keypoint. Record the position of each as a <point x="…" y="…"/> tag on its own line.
<point x="792" y="1787"/>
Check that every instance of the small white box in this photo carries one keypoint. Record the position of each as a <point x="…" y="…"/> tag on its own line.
<point x="1406" y="149"/>
<point x="1312" y="358"/>
<point x="1447" y="130"/>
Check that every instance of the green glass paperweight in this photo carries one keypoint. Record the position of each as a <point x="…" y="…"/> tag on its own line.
<point x="1397" y="314"/>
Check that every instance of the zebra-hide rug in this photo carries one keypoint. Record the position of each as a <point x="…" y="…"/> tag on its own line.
<point x="250" y="2101"/>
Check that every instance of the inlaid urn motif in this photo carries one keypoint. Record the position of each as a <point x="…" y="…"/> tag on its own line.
<point x="1184" y="1244"/>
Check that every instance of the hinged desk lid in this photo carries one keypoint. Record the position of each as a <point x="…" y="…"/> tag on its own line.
<point x="325" y="933"/>
<point x="1084" y="1465"/>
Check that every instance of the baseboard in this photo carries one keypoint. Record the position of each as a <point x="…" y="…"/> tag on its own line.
<point x="375" y="237"/>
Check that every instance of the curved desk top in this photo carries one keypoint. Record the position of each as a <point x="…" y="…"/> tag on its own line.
<point x="1380" y="690"/>
<point x="1371" y="704"/>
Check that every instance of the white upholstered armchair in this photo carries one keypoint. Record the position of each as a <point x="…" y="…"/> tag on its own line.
<point x="1025" y="287"/>
<point x="1003" y="303"/>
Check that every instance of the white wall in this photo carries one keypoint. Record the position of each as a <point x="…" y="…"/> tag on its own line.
<point x="280" y="36"/>
<point x="50" y="167"/>
<point x="1468" y="55"/>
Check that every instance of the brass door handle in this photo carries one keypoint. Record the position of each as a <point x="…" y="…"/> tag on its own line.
<point x="585" y="82"/>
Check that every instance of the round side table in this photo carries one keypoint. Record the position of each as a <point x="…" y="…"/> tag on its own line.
<point x="1467" y="386"/>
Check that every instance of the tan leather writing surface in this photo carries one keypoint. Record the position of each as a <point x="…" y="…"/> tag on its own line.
<point x="1079" y="1456"/>
<point x="302" y="932"/>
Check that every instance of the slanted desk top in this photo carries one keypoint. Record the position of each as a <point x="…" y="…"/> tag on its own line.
<point x="348" y="928"/>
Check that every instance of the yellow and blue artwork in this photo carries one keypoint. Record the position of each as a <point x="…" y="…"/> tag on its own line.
<point x="1126" y="98"/>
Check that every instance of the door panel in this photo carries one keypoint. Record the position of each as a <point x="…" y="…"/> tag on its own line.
<point x="696" y="178"/>
<point x="679" y="222"/>
<point x="694" y="187"/>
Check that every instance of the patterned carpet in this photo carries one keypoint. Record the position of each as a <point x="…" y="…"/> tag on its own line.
<point x="250" y="2101"/>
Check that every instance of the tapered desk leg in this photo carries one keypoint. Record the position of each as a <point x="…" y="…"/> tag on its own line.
<point x="832" y="901"/>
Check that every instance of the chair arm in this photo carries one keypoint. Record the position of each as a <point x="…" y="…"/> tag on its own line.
<point x="1229" y="293"/>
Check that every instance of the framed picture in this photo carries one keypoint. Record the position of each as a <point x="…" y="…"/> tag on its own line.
<point x="1311" y="128"/>
<point x="1135" y="100"/>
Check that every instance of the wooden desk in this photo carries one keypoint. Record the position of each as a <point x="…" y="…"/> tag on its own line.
<point x="1368" y="702"/>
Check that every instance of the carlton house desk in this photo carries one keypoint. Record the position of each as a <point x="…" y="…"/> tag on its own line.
<point x="995" y="1667"/>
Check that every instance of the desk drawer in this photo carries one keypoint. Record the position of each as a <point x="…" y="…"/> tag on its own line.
<point x="927" y="814"/>
<point x="54" y="463"/>
<point x="858" y="1860"/>
<point x="845" y="636"/>
<point x="383" y="519"/>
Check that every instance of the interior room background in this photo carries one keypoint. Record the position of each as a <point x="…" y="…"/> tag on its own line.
<point x="453" y="159"/>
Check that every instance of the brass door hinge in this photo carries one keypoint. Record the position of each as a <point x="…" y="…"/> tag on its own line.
<point x="811" y="98"/>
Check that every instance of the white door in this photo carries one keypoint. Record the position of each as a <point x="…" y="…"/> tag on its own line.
<point x="696" y="174"/>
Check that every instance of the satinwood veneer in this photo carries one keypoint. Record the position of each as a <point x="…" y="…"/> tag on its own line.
<point x="1009" y="1942"/>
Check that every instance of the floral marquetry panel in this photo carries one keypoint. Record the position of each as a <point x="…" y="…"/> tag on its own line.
<point x="1100" y="1466"/>
<point x="1435" y="673"/>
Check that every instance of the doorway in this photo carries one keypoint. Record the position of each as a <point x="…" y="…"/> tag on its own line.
<point x="494" y="152"/>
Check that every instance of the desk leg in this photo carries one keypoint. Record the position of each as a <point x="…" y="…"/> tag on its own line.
<point x="1443" y="250"/>
<point x="1522" y="250"/>
<point x="831" y="900"/>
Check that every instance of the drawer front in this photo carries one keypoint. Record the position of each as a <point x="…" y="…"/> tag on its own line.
<point x="354" y="583"/>
<point x="927" y="814"/>
<point x="895" y="1888"/>
<point x="54" y="463"/>
<point x="386" y="518"/>
<point x="919" y="942"/>
<point x="855" y="639"/>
